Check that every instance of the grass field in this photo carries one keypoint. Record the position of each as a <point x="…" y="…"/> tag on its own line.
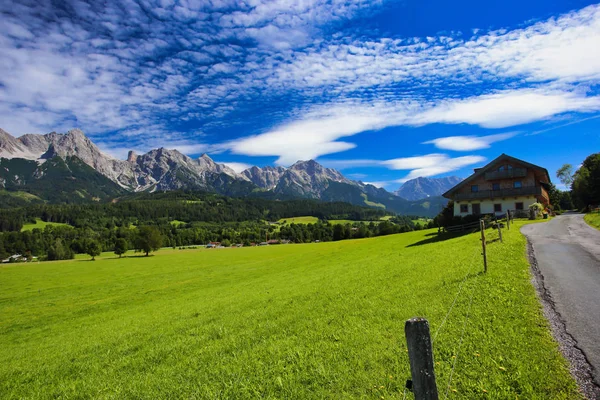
<point x="40" y="225"/>
<point x="298" y="220"/>
<point x="349" y="221"/>
<point x="422" y="221"/>
<point x="299" y="321"/>
<point x="593" y="219"/>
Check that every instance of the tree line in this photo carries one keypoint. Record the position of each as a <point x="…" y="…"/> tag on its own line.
<point x="147" y="222"/>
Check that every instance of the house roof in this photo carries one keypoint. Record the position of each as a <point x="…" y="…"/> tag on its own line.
<point x="481" y="171"/>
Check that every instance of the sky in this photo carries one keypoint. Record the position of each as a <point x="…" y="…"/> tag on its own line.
<point x="383" y="91"/>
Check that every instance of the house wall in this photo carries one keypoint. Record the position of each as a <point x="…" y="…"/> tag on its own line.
<point x="528" y="180"/>
<point x="487" y="206"/>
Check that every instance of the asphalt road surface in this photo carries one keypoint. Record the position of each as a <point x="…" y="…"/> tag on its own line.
<point x="567" y="251"/>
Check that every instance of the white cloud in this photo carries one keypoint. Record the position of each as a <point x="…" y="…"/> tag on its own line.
<point x="237" y="166"/>
<point x="508" y="108"/>
<point x="469" y="143"/>
<point x="62" y="71"/>
<point x="431" y="165"/>
<point x="557" y="49"/>
<point x="306" y="139"/>
<point x="418" y="162"/>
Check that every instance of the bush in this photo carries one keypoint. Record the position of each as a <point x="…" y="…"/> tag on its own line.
<point x="538" y="209"/>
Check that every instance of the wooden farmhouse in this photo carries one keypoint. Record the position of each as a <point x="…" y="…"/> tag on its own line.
<point x="506" y="183"/>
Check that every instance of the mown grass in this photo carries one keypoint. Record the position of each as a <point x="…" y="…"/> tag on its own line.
<point x="351" y="222"/>
<point x="422" y="221"/>
<point x="593" y="219"/>
<point x="299" y="321"/>
<point x="298" y="220"/>
<point x="40" y="225"/>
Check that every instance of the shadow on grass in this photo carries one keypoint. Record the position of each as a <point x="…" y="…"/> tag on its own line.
<point x="439" y="238"/>
<point x="117" y="257"/>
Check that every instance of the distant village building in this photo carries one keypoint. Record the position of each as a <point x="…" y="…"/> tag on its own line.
<point x="18" y="258"/>
<point x="506" y="183"/>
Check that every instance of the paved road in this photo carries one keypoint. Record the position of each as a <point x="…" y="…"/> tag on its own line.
<point x="567" y="251"/>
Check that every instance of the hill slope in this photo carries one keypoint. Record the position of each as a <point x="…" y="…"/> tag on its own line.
<point x="164" y="170"/>
<point x="290" y="321"/>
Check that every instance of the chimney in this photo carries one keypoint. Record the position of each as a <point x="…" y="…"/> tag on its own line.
<point x="131" y="156"/>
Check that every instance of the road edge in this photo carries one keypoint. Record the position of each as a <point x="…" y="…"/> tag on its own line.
<point x="579" y="365"/>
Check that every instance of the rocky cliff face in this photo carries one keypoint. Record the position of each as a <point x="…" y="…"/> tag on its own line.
<point x="421" y="188"/>
<point x="159" y="169"/>
<point x="164" y="169"/>
<point x="265" y="178"/>
<point x="308" y="179"/>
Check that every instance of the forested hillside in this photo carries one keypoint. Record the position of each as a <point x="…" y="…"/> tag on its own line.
<point x="184" y="218"/>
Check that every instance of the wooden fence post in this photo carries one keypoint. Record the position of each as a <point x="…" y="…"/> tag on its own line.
<point x="508" y="219"/>
<point x="420" y="354"/>
<point x="482" y="228"/>
<point x="499" y="231"/>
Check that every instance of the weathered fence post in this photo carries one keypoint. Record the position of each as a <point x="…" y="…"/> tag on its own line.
<point x="482" y="228"/>
<point x="420" y="354"/>
<point x="508" y="219"/>
<point x="499" y="231"/>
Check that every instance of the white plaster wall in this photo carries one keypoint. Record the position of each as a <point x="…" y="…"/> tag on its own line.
<point x="487" y="206"/>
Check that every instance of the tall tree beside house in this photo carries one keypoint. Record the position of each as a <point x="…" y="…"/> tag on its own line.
<point x="560" y="199"/>
<point x="148" y="239"/>
<point x="586" y="183"/>
<point x="565" y="174"/>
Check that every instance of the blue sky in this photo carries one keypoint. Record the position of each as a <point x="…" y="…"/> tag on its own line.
<point x="382" y="90"/>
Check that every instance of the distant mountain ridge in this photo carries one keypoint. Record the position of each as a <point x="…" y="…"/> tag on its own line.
<point x="164" y="170"/>
<point x="422" y="188"/>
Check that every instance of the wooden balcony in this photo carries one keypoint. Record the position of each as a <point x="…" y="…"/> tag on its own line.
<point x="492" y="194"/>
<point x="506" y="174"/>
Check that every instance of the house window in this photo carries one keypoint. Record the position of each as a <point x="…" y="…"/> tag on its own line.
<point x="495" y="186"/>
<point x="464" y="208"/>
<point x="509" y="167"/>
<point x="518" y="206"/>
<point x="501" y="168"/>
<point x="474" y="188"/>
<point x="517" y="184"/>
<point x="498" y="207"/>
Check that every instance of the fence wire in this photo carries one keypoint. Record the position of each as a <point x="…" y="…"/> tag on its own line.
<point x="462" y="336"/>
<point x="471" y="267"/>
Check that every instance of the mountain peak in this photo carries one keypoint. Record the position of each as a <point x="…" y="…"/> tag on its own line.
<point x="422" y="187"/>
<point x="3" y="134"/>
<point x="76" y="133"/>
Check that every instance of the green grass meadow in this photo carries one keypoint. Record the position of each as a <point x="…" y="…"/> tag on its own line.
<point x="298" y="220"/>
<point x="40" y="225"/>
<point x="321" y="320"/>
<point x="593" y="219"/>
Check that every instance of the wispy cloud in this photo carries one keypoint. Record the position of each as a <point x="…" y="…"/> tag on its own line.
<point x="469" y="143"/>
<point x="431" y="165"/>
<point x="578" y="121"/>
<point x="149" y="69"/>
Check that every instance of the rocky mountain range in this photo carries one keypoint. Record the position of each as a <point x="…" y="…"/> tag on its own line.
<point x="421" y="188"/>
<point x="69" y="162"/>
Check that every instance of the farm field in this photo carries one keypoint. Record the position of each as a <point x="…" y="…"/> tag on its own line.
<point x="40" y="225"/>
<point x="422" y="221"/>
<point x="593" y="219"/>
<point x="298" y="220"/>
<point x="314" y="220"/>
<point x="319" y="320"/>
